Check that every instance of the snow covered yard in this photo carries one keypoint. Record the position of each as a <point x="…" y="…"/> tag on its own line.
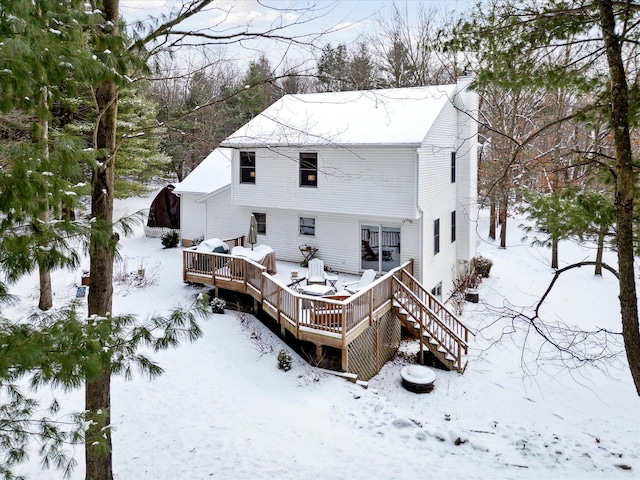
<point x="224" y="410"/>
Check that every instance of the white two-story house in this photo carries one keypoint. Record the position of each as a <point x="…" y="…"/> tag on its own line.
<point x="371" y="179"/>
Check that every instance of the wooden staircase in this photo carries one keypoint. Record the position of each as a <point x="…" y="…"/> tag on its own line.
<point x="431" y="322"/>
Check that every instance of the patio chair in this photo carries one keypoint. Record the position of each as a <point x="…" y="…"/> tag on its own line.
<point x="316" y="274"/>
<point x="368" y="276"/>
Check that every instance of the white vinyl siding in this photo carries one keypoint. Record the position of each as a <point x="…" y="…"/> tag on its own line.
<point x="337" y="237"/>
<point x="362" y="181"/>
<point x="467" y="172"/>
<point x="192" y="217"/>
<point x="437" y="198"/>
<point x="225" y="220"/>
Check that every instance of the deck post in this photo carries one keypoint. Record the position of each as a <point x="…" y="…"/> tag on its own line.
<point x="184" y="265"/>
<point x="377" y="352"/>
<point x="421" y="354"/>
<point x="318" y="358"/>
<point x="344" y="362"/>
<point x="283" y="331"/>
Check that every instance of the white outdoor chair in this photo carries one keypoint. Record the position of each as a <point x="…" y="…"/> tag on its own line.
<point x="368" y="276"/>
<point x="316" y="274"/>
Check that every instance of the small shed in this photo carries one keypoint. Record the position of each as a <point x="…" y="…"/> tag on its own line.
<point x="164" y="213"/>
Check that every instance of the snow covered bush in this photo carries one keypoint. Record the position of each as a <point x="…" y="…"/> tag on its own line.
<point x="284" y="360"/>
<point x="217" y="305"/>
<point x="481" y="266"/>
<point x="170" y="239"/>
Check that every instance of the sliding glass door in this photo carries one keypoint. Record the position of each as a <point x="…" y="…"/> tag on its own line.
<point x="380" y="248"/>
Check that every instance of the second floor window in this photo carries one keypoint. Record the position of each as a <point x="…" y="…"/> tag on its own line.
<point x="247" y="167"/>
<point x="436" y="236"/>
<point x="308" y="169"/>
<point x="453" y="226"/>
<point x="453" y="167"/>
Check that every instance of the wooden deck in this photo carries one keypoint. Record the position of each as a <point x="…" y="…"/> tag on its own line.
<point x="337" y="323"/>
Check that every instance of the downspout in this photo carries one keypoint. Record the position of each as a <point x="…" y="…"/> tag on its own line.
<point x="418" y="274"/>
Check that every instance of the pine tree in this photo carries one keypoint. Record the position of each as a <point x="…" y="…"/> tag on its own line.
<point x="38" y="54"/>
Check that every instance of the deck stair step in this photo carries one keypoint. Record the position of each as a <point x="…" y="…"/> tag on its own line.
<point x="448" y="341"/>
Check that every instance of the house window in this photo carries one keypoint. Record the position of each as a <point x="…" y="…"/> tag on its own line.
<point x="453" y="167"/>
<point x="308" y="169"/>
<point x="436" y="236"/>
<point x="308" y="226"/>
<point x="437" y="291"/>
<point x="453" y="226"/>
<point x="261" y="220"/>
<point x="247" y="167"/>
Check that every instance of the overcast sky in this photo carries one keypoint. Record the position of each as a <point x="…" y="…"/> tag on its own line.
<point x="337" y="20"/>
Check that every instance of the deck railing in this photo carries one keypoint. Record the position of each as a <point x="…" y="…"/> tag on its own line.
<point x="221" y="269"/>
<point x="444" y="316"/>
<point x="320" y="314"/>
<point x="235" y="242"/>
<point x="325" y="315"/>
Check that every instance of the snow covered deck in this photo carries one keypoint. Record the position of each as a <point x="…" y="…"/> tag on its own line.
<point x="330" y="321"/>
<point x="340" y="321"/>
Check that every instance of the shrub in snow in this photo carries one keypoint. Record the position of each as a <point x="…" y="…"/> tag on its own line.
<point x="217" y="305"/>
<point x="481" y="266"/>
<point x="284" y="360"/>
<point x="170" y="239"/>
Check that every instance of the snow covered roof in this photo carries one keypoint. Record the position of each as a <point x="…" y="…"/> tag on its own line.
<point x="389" y="116"/>
<point x="213" y="173"/>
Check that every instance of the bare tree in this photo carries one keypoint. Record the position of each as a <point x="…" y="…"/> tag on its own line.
<point x="406" y="48"/>
<point x="608" y="34"/>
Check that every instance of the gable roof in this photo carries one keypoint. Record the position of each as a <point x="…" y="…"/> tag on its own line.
<point x="213" y="173"/>
<point x="388" y="116"/>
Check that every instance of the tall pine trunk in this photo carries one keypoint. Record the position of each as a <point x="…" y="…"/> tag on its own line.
<point x="103" y="244"/>
<point x="45" y="301"/>
<point x="625" y="187"/>
<point x="102" y="250"/>
<point x="554" y="251"/>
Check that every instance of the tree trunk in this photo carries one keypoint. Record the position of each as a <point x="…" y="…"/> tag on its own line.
<point x="625" y="188"/>
<point x="554" y="252"/>
<point x="599" y="252"/>
<point x="502" y="217"/>
<point x="492" y="219"/>
<point x="98" y="462"/>
<point x="45" y="301"/>
<point x="101" y="251"/>
<point x="100" y="298"/>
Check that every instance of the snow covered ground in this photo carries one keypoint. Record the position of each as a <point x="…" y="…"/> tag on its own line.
<point x="224" y="410"/>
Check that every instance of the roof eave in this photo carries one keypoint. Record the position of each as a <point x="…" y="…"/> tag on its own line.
<point x="209" y="195"/>
<point x="415" y="143"/>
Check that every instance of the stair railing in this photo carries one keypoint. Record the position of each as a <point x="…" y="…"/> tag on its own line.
<point x="443" y="327"/>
